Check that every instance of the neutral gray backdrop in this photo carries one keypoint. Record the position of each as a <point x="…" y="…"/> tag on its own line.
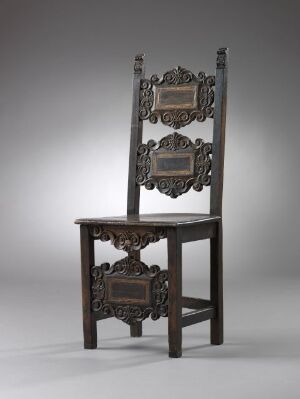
<point x="65" y="105"/>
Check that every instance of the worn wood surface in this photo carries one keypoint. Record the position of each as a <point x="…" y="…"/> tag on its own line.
<point x="216" y="286"/>
<point x="152" y="219"/>
<point x="175" y="293"/>
<point x="87" y="260"/>
<point x="218" y="149"/>
<point x="133" y="193"/>
<point x="195" y="303"/>
<point x="197" y="316"/>
<point x="195" y="232"/>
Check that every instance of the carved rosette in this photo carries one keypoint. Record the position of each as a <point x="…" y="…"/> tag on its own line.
<point x="126" y="269"/>
<point x="177" y="118"/>
<point x="126" y="239"/>
<point x="174" y="186"/>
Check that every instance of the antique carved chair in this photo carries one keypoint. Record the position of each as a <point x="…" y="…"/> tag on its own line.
<point x="129" y="289"/>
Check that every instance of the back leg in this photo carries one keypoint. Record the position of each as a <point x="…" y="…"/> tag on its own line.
<point x="216" y="286"/>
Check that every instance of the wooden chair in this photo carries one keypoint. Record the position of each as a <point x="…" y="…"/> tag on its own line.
<point x="128" y="289"/>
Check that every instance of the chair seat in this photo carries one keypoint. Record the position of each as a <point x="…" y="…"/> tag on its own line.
<point x="152" y="219"/>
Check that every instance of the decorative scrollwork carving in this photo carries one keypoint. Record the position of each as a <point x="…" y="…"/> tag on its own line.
<point x="125" y="239"/>
<point x="200" y="109"/>
<point x="128" y="270"/>
<point x="176" y="76"/>
<point x="174" y="185"/>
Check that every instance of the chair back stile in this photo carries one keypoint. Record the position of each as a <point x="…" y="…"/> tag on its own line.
<point x="217" y="171"/>
<point x="133" y="193"/>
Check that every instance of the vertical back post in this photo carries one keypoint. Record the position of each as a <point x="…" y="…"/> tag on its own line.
<point x="218" y="147"/>
<point x="133" y="194"/>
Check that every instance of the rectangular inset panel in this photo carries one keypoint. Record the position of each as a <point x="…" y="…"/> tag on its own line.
<point x="128" y="290"/>
<point x="170" y="164"/>
<point x="178" y="97"/>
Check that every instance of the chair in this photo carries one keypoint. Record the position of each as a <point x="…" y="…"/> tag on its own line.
<point x="129" y="289"/>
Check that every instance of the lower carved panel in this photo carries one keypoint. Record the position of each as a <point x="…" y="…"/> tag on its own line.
<point x="130" y="290"/>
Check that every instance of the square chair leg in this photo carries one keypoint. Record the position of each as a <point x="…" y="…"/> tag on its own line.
<point x="87" y="261"/>
<point x="136" y="330"/>
<point x="216" y="286"/>
<point x="175" y="293"/>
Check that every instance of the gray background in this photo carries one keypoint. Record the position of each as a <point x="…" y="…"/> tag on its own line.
<point x="65" y="105"/>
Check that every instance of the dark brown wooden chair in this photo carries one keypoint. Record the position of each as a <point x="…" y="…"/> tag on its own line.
<point x="129" y="289"/>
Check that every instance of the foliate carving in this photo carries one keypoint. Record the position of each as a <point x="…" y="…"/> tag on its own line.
<point x="174" y="142"/>
<point x="126" y="269"/>
<point x="177" y="118"/>
<point x="222" y="58"/>
<point x="175" y="184"/>
<point x="138" y="63"/>
<point x="125" y="239"/>
<point x="176" y="76"/>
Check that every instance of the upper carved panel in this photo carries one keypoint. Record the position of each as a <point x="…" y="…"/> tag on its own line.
<point x="174" y="165"/>
<point x="177" y="98"/>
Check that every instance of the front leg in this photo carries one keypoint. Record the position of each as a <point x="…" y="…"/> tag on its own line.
<point x="175" y="293"/>
<point x="87" y="261"/>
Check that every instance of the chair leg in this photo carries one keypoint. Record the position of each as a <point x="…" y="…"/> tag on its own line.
<point x="87" y="260"/>
<point x="136" y="330"/>
<point x="216" y="286"/>
<point x="174" y="294"/>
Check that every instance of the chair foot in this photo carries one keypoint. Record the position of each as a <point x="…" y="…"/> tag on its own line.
<point x="174" y="294"/>
<point x="175" y="355"/>
<point x="216" y="332"/>
<point x="90" y="346"/>
<point x="136" y="330"/>
<point x="90" y="334"/>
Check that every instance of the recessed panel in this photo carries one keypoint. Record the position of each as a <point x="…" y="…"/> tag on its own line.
<point x="128" y="290"/>
<point x="179" y="97"/>
<point x="170" y="164"/>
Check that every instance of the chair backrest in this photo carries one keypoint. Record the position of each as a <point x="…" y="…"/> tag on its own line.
<point x="175" y="164"/>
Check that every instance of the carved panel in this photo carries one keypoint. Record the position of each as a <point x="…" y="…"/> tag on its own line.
<point x="183" y="165"/>
<point x="125" y="239"/>
<point x="177" y="98"/>
<point x="130" y="290"/>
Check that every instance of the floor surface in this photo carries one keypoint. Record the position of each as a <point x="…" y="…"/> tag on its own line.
<point x="41" y="353"/>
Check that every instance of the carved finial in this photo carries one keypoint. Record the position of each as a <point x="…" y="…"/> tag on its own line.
<point x="222" y="57"/>
<point x="139" y="63"/>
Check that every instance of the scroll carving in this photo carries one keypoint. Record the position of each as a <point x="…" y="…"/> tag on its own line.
<point x="181" y="78"/>
<point x="128" y="269"/>
<point x="175" y="185"/>
<point x="125" y="239"/>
